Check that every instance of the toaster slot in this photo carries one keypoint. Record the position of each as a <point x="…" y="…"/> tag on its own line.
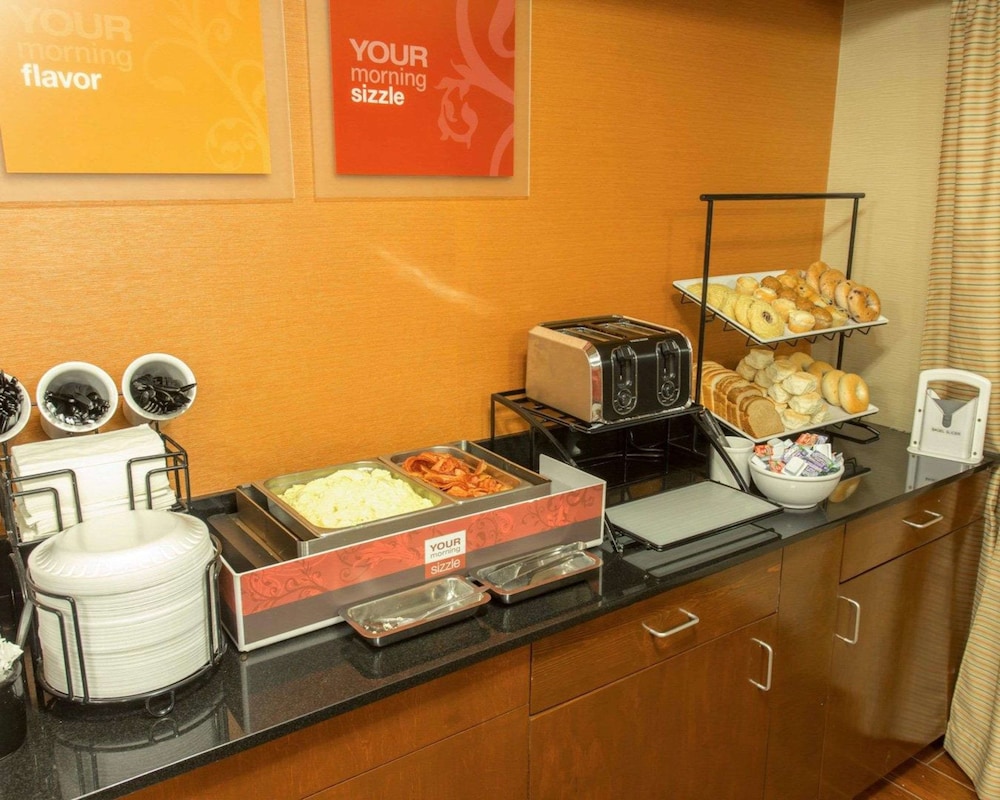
<point x="668" y="373"/>
<point x="629" y="329"/>
<point x="590" y="334"/>
<point x="624" y="366"/>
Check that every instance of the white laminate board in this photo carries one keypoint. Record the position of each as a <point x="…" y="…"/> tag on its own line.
<point x="689" y="511"/>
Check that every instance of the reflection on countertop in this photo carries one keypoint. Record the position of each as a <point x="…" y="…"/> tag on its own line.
<point x="104" y="752"/>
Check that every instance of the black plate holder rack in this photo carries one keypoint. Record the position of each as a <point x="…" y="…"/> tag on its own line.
<point x="158" y="702"/>
<point x="175" y="466"/>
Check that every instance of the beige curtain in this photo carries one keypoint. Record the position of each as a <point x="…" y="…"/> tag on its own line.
<point x="963" y="331"/>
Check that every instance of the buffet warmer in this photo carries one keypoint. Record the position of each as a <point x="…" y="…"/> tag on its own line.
<point x="283" y="574"/>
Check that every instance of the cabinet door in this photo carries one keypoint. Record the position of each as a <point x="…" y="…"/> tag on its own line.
<point x="490" y="758"/>
<point x="900" y="637"/>
<point x="689" y="728"/>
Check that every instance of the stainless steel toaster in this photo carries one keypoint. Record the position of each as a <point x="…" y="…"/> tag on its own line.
<point x="609" y="368"/>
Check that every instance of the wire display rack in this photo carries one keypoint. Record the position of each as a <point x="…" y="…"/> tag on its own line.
<point x="172" y="463"/>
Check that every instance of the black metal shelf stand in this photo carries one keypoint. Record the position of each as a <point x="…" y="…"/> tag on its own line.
<point x="708" y="314"/>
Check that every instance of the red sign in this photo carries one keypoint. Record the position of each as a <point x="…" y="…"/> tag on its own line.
<point x="423" y="88"/>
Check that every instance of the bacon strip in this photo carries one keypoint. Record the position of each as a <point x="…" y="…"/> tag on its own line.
<point x="453" y="476"/>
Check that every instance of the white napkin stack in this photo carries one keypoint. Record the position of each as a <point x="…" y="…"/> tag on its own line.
<point x="100" y="463"/>
<point x="9" y="654"/>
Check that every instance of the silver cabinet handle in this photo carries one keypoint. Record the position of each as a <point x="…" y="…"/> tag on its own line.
<point x="692" y="621"/>
<point x="934" y="518"/>
<point x="766" y="685"/>
<point x="857" y="621"/>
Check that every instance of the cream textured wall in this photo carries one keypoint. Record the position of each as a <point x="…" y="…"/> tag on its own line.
<point x="886" y="138"/>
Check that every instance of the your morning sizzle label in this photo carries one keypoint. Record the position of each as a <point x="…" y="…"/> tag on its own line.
<point x="424" y="88"/>
<point x="444" y="554"/>
<point x="112" y="86"/>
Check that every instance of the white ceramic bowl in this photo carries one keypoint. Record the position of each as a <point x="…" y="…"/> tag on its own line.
<point x="793" y="491"/>
<point x="161" y="365"/>
<point x="75" y="372"/>
<point x="22" y="417"/>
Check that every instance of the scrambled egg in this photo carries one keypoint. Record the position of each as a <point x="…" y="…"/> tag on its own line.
<point x="352" y="496"/>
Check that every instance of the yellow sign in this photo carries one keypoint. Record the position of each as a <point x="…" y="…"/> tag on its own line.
<point x="112" y="86"/>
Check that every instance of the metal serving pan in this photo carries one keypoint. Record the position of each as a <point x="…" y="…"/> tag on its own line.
<point x="524" y="484"/>
<point x="400" y="615"/>
<point x="536" y="573"/>
<point x="316" y="539"/>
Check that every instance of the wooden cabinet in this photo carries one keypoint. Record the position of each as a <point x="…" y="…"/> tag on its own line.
<point x="682" y="715"/>
<point x="900" y="632"/>
<point x="712" y="689"/>
<point x="807" y="615"/>
<point x="596" y="653"/>
<point x="464" y="730"/>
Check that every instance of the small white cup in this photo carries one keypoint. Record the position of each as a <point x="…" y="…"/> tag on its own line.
<point x="75" y="372"/>
<point x="156" y="365"/>
<point x="23" y="415"/>
<point x="739" y="450"/>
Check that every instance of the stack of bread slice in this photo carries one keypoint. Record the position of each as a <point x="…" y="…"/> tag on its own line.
<point x="741" y="403"/>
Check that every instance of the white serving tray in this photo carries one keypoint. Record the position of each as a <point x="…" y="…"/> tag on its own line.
<point x="730" y="280"/>
<point x="835" y="415"/>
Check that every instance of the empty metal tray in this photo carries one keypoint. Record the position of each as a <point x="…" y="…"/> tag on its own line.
<point x="536" y="573"/>
<point x="400" y="615"/>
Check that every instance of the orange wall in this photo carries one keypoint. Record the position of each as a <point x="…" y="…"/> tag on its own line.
<point x="323" y="332"/>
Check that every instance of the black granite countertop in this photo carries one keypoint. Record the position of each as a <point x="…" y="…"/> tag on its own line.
<point x="74" y="751"/>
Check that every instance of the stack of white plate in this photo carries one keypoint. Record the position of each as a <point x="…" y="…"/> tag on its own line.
<point x="101" y="465"/>
<point x="138" y="580"/>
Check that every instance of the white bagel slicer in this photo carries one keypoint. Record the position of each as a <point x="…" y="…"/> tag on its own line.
<point x="953" y="429"/>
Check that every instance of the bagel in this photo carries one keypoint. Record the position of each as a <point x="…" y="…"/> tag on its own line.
<point x="830" y="385"/>
<point x="764" y="320"/>
<point x="716" y="294"/>
<point x="800" y="321"/>
<point x="824" y="319"/>
<point x="806" y="292"/>
<point x="746" y="285"/>
<point x="839" y="317"/>
<point x="770" y="282"/>
<point x="828" y="283"/>
<point x="729" y="303"/>
<point x="788" y="280"/>
<point x="742" y="308"/>
<point x="863" y="304"/>
<point x="813" y="273"/>
<point x="819" y="369"/>
<point x="784" y="306"/>
<point x="853" y="393"/>
<point x="800" y="359"/>
<point x="841" y="292"/>
<point x="765" y="293"/>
